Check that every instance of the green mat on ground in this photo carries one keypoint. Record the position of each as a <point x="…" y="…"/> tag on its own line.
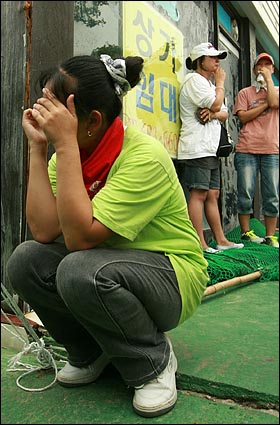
<point x="225" y="265"/>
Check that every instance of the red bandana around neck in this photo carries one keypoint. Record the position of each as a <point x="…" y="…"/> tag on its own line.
<point x="96" y="167"/>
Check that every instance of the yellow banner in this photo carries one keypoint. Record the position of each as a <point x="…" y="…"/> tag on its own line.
<point x="153" y="105"/>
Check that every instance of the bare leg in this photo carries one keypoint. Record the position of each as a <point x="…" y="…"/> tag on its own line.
<point x="270" y="225"/>
<point x="244" y="221"/>
<point x="195" y="207"/>
<point x="213" y="217"/>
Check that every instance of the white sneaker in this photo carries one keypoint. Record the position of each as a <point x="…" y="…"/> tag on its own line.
<point x="272" y="241"/>
<point x="159" y="395"/>
<point x="210" y="250"/>
<point x="72" y="376"/>
<point x="235" y="245"/>
<point x="251" y="236"/>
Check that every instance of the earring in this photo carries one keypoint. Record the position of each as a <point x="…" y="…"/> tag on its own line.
<point x="89" y="133"/>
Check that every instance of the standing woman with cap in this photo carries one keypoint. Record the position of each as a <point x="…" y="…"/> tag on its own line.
<point x="201" y="110"/>
<point x="257" y="150"/>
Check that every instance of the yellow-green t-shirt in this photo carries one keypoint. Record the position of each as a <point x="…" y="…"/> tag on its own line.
<point x="144" y="204"/>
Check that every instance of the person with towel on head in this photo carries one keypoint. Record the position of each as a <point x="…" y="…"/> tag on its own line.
<point x="257" y="151"/>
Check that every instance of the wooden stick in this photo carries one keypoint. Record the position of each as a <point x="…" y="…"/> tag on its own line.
<point x="212" y="289"/>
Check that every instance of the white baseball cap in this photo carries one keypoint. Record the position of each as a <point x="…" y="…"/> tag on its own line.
<point x="206" y="49"/>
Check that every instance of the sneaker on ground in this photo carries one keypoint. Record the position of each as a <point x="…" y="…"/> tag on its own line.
<point x="210" y="250"/>
<point x="272" y="241"/>
<point x="234" y="246"/>
<point x="159" y="395"/>
<point x="251" y="236"/>
<point x="72" y="376"/>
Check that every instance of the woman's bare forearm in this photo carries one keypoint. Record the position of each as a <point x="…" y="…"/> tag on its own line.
<point x="41" y="212"/>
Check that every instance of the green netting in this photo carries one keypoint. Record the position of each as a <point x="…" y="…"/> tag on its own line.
<point x="231" y="263"/>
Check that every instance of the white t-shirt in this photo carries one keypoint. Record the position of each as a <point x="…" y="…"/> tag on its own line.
<point x="197" y="140"/>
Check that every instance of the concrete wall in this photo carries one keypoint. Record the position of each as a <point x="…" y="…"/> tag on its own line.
<point x="34" y="36"/>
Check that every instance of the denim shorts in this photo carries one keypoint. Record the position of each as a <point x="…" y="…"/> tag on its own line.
<point x="200" y="178"/>
<point x="249" y="167"/>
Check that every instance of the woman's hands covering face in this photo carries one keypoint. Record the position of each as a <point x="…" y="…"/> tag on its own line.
<point x="51" y="118"/>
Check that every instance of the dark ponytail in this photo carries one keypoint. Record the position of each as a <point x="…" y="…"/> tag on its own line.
<point x="87" y="78"/>
<point x="192" y="65"/>
<point x="134" y="66"/>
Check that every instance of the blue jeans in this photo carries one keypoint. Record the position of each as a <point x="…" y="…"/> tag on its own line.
<point x="248" y="167"/>
<point x="119" y="302"/>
